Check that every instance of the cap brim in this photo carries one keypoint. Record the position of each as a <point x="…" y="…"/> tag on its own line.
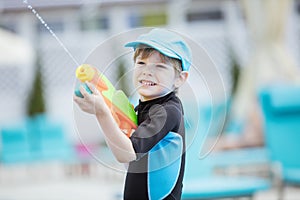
<point x="155" y="46"/>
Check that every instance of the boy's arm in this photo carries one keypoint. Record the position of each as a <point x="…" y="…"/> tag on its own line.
<point x="118" y="142"/>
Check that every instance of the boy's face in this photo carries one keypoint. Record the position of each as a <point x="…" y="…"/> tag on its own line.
<point x="152" y="77"/>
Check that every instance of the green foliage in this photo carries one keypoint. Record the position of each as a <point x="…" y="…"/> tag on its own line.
<point x="235" y="73"/>
<point x="122" y="80"/>
<point x="36" y="103"/>
<point x="235" y="76"/>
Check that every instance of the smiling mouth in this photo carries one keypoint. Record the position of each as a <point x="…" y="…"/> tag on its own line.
<point x="147" y="83"/>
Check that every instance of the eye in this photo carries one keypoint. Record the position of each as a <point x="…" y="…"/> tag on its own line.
<point x="161" y="66"/>
<point x="140" y="63"/>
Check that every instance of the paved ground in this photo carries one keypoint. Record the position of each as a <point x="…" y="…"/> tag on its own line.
<point x="51" y="182"/>
<point x="88" y="189"/>
<point x="75" y="189"/>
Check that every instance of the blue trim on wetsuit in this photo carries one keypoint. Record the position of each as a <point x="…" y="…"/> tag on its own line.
<point x="164" y="164"/>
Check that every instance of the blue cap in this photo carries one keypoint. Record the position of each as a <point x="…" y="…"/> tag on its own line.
<point x="168" y="43"/>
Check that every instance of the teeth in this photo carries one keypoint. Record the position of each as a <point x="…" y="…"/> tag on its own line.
<point x="148" y="83"/>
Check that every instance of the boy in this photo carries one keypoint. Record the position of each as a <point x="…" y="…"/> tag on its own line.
<point x="156" y="150"/>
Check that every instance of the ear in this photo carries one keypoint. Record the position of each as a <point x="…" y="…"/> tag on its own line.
<point x="180" y="80"/>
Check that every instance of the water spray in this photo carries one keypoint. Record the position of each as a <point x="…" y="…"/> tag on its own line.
<point x="50" y="30"/>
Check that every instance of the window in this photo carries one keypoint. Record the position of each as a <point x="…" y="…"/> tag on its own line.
<point x="148" y="19"/>
<point x="9" y="27"/>
<point x="95" y="23"/>
<point x="204" y="15"/>
<point x="55" y="26"/>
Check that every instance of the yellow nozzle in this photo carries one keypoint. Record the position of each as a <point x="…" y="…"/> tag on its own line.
<point x="85" y="72"/>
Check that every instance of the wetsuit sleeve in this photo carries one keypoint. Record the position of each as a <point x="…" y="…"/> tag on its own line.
<point x="159" y="122"/>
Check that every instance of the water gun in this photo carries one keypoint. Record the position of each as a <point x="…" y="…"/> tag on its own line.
<point x="120" y="107"/>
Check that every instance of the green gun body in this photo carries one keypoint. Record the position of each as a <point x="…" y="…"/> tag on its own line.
<point x="121" y="109"/>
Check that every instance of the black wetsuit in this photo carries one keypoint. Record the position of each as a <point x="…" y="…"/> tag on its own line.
<point x="159" y="143"/>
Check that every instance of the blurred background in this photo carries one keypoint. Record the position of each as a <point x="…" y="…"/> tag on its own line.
<point x="252" y="94"/>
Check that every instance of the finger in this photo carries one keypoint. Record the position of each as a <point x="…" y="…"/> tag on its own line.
<point x="83" y="91"/>
<point x="92" y="88"/>
<point x="79" y="101"/>
<point x="76" y="98"/>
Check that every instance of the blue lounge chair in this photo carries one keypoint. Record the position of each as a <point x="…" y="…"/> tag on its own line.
<point x="48" y="140"/>
<point x="281" y="111"/>
<point x="201" y="183"/>
<point x="15" y="145"/>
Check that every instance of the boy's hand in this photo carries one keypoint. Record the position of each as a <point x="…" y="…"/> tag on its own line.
<point x="91" y="103"/>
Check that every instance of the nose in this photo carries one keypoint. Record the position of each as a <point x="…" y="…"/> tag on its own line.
<point x="149" y="69"/>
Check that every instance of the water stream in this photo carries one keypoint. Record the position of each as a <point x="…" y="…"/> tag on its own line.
<point x="50" y="31"/>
